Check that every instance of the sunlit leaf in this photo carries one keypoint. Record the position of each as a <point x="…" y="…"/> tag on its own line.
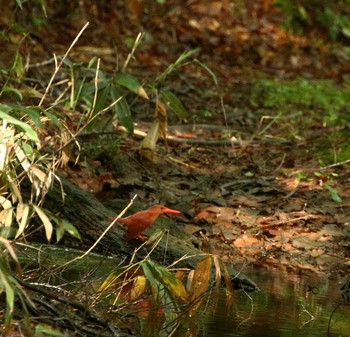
<point x="9" y="248"/>
<point x="46" y="222"/>
<point x="22" y="213"/>
<point x="28" y="130"/>
<point x="6" y="217"/>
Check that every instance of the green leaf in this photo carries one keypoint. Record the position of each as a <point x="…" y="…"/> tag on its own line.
<point x="179" y="62"/>
<point x="334" y="194"/>
<point x="123" y="111"/>
<point x="33" y="113"/>
<point x="15" y="91"/>
<point x="130" y="82"/>
<point x="42" y="330"/>
<point x="159" y="274"/>
<point x="101" y="100"/>
<point x="174" y="104"/>
<point x="204" y="66"/>
<point x="71" y="229"/>
<point x="53" y="119"/>
<point x="28" y="130"/>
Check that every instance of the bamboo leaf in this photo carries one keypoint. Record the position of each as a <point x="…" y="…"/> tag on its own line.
<point x="22" y="213"/>
<point x="28" y="130"/>
<point x="200" y="283"/>
<point x="46" y="222"/>
<point x="174" y="104"/>
<point x="228" y="284"/>
<point x="123" y="111"/>
<point x="71" y="230"/>
<point x="139" y="287"/>
<point x="167" y="279"/>
<point x="130" y="82"/>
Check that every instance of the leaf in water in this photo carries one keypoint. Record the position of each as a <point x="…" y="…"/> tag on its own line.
<point x="174" y="104"/>
<point x="130" y="82"/>
<point x="218" y="274"/>
<point x="199" y="284"/>
<point x="228" y="284"/>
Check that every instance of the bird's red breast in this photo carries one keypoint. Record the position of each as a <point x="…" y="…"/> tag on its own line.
<point x="140" y="221"/>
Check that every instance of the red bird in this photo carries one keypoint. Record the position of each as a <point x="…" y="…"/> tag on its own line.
<point x="140" y="221"/>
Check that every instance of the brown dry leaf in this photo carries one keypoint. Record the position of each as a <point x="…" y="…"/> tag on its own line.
<point x="162" y="116"/>
<point x="228" y="283"/>
<point x="191" y="229"/>
<point x="199" y="284"/>
<point x="246" y="242"/>
<point x="216" y="214"/>
<point x="148" y="144"/>
<point x="250" y="201"/>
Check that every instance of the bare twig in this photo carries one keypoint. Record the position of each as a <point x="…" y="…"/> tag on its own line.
<point x="57" y="67"/>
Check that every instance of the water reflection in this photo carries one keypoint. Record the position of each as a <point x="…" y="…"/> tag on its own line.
<point x="288" y="305"/>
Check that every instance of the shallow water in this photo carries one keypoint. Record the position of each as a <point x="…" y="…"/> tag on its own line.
<point x="287" y="305"/>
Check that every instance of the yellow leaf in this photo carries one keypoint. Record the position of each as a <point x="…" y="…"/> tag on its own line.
<point x="6" y="217"/>
<point x="22" y="217"/>
<point x="139" y="287"/>
<point x="142" y="93"/>
<point x="46" y="222"/>
<point x="148" y="144"/>
<point x="200" y="283"/>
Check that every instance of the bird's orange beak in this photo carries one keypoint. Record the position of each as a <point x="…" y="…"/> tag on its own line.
<point x="170" y="211"/>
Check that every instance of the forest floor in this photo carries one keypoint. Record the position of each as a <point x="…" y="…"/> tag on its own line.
<point x="248" y="181"/>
